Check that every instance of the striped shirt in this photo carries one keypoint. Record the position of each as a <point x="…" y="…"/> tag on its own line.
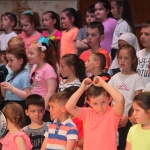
<point x="59" y="133"/>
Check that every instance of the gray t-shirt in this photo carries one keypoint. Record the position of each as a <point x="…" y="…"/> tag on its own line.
<point x="36" y="136"/>
<point x="81" y="35"/>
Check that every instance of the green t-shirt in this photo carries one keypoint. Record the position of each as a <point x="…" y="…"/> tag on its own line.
<point x="139" y="138"/>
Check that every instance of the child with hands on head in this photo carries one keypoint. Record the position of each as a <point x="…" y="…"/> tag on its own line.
<point x="62" y="134"/>
<point x="15" y="138"/>
<point x="138" y="135"/>
<point x="43" y="76"/>
<point x="72" y="68"/>
<point x="129" y="84"/>
<point x="100" y="115"/>
<point x="29" y="21"/>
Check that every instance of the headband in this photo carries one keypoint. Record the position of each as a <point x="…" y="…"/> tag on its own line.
<point x="28" y="12"/>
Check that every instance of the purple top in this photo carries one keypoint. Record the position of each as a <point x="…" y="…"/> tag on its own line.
<point x="109" y="27"/>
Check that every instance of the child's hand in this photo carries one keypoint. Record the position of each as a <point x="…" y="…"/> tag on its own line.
<point x="123" y="121"/>
<point x="7" y="85"/>
<point x="98" y="81"/>
<point x="85" y="41"/>
<point x="86" y="83"/>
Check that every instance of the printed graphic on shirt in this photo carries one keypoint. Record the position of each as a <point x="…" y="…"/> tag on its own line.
<point x="35" y="81"/>
<point x="36" y="141"/>
<point x="143" y="67"/>
<point x="122" y="87"/>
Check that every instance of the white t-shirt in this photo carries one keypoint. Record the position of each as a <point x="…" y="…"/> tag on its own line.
<point x="147" y="88"/>
<point x="4" y="38"/>
<point x="142" y="68"/>
<point x="121" y="27"/>
<point x="127" y="85"/>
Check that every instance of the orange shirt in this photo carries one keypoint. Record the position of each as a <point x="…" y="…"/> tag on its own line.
<point x="85" y="55"/>
<point x="67" y="42"/>
<point x="100" y="131"/>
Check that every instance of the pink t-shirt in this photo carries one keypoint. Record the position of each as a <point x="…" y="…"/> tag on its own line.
<point x="100" y="131"/>
<point x="28" y="40"/>
<point x="39" y="85"/>
<point x="56" y="34"/>
<point x="9" y="143"/>
<point x="109" y="27"/>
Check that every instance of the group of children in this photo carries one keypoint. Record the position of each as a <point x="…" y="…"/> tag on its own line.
<point x="82" y="88"/>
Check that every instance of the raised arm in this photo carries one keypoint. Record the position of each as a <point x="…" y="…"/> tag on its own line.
<point x="71" y="103"/>
<point x="115" y="94"/>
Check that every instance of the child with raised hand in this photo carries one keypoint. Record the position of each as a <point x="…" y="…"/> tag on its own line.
<point x="35" y="109"/>
<point x="129" y="84"/>
<point x="8" y="22"/>
<point x="96" y="65"/>
<point x="17" y="84"/>
<point x="73" y="69"/>
<point x="80" y="39"/>
<point x="70" y="22"/>
<point x="95" y="34"/>
<point x="62" y="134"/>
<point x="43" y="76"/>
<point x="103" y="14"/>
<point x="144" y="54"/>
<point x="29" y="21"/>
<point x="138" y="136"/>
<point x="15" y="138"/>
<point x="98" y="134"/>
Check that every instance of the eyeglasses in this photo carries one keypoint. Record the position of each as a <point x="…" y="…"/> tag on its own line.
<point x="31" y="80"/>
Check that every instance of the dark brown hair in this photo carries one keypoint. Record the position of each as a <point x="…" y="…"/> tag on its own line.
<point x="94" y="91"/>
<point x="11" y="16"/>
<point x="77" y="63"/>
<point x="35" y="99"/>
<point x="146" y="24"/>
<point x="14" y="113"/>
<point x="130" y="112"/>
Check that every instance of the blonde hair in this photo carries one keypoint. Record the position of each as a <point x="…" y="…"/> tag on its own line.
<point x="16" y="41"/>
<point x="14" y="113"/>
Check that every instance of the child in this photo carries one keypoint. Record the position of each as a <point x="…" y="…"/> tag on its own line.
<point x="138" y="136"/>
<point x="95" y="65"/>
<point x="8" y="22"/>
<point x="103" y="14"/>
<point x="131" y="117"/>
<point x="51" y="22"/>
<point x="95" y="33"/>
<point x="16" y="87"/>
<point x="144" y="54"/>
<point x="62" y="134"/>
<point x="15" y="138"/>
<point x="121" y="11"/>
<point x="35" y="109"/>
<point x="147" y="87"/>
<point x="70" y="22"/>
<point x="43" y="76"/>
<point x="80" y="39"/>
<point x="29" y="21"/>
<point x="125" y="39"/>
<point x="98" y="133"/>
<point x="129" y="84"/>
<point x="72" y="68"/>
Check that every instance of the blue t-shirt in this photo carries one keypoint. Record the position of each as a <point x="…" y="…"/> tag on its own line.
<point x="21" y="81"/>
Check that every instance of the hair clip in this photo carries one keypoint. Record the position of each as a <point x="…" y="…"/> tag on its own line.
<point x="28" y="12"/>
<point x="43" y="48"/>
